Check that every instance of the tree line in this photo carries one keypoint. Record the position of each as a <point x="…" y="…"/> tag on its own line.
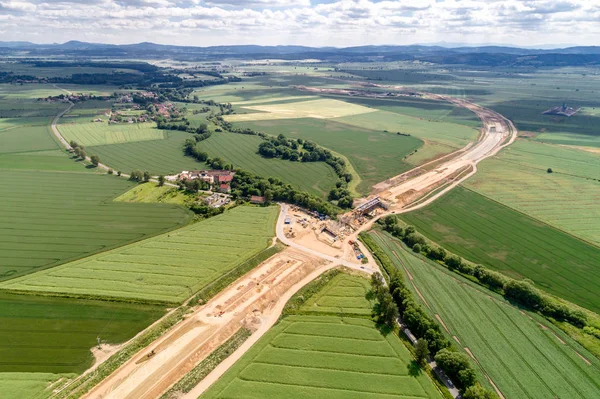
<point x="396" y="301"/>
<point x="522" y="292"/>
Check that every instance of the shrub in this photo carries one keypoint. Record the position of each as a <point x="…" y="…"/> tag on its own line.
<point x="110" y="172"/>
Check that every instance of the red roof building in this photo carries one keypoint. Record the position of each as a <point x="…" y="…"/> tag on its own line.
<point x="255" y="199"/>
<point x="225" y="178"/>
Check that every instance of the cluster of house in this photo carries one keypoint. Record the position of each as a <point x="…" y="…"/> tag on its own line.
<point x="74" y="98"/>
<point x="221" y="179"/>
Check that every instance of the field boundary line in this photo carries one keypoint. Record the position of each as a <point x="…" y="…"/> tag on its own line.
<point x="531" y="217"/>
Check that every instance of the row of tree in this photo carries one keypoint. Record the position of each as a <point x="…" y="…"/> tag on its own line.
<point x="522" y="292"/>
<point x="396" y="301"/>
<point x="80" y="152"/>
<point x="246" y="184"/>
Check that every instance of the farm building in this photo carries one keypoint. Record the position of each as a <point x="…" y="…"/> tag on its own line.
<point x="256" y="199"/>
<point x="225" y="188"/>
<point x="209" y="176"/>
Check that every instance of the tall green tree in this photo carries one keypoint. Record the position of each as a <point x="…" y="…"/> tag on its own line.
<point x="95" y="160"/>
<point x="421" y="350"/>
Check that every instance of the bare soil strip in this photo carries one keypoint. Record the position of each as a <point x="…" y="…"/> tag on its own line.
<point x="437" y="316"/>
<point x="251" y="302"/>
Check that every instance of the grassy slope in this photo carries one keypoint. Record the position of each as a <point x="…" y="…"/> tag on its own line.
<point x="47" y="218"/>
<point x="567" y="199"/>
<point x="54" y="335"/>
<point x="241" y="150"/>
<point x="167" y="268"/>
<point x="524" y="359"/>
<point x="498" y="237"/>
<point x="312" y="356"/>
<point x="375" y="156"/>
<point x="153" y="193"/>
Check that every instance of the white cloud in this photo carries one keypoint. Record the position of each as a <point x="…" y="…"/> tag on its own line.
<point x="342" y="22"/>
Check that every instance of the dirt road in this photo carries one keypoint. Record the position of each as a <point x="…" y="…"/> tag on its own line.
<point x="254" y="301"/>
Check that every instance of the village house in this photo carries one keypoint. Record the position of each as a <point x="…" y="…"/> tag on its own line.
<point x="222" y="178"/>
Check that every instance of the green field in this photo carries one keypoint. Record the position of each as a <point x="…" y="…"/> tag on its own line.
<point x="54" y="335"/>
<point x="101" y="133"/>
<point x="375" y="155"/>
<point x="167" y="268"/>
<point x="26" y="138"/>
<point x="524" y="359"/>
<point x="44" y="160"/>
<point x="309" y="356"/>
<point x="166" y="157"/>
<point x="78" y="125"/>
<point x="566" y="199"/>
<point x="153" y="193"/>
<point x="156" y="156"/>
<point x="486" y="232"/>
<point x="48" y="218"/>
<point x="30" y="385"/>
<point x="451" y="134"/>
<point x="429" y="110"/>
<point x="344" y="294"/>
<point x="241" y="151"/>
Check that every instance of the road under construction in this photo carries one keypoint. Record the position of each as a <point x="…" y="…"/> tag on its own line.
<point x="257" y="299"/>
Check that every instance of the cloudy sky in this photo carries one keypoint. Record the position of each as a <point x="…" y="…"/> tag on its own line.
<point x="306" y="22"/>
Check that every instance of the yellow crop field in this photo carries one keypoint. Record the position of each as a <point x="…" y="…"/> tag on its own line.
<point x="318" y="109"/>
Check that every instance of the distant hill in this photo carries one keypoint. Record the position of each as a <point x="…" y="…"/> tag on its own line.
<point x="477" y="56"/>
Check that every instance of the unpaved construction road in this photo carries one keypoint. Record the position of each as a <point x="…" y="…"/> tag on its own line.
<point x="254" y="301"/>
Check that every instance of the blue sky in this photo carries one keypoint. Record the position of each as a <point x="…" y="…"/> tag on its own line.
<point x="305" y="22"/>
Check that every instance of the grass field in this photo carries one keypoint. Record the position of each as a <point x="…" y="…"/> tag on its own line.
<point x="241" y="151"/>
<point x="524" y="359"/>
<point x="26" y="138"/>
<point x="150" y="193"/>
<point x="54" y="335"/>
<point x="29" y="385"/>
<point x="44" y="160"/>
<point x="569" y="139"/>
<point x="566" y="199"/>
<point x="498" y="237"/>
<point x="156" y="156"/>
<point x="429" y="110"/>
<point x="167" y="268"/>
<point x="78" y="125"/>
<point x="309" y="356"/>
<point x="318" y="109"/>
<point x="101" y="133"/>
<point x="344" y="294"/>
<point x="450" y="134"/>
<point x="166" y="157"/>
<point x="48" y="218"/>
<point x="374" y="155"/>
